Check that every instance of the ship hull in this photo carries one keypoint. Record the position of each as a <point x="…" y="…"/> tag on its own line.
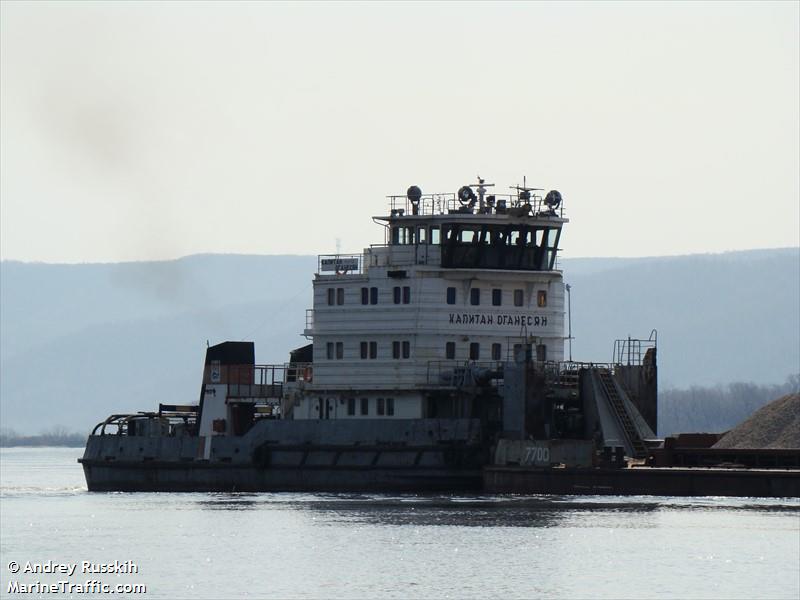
<point x="170" y="477"/>
<point x="402" y="455"/>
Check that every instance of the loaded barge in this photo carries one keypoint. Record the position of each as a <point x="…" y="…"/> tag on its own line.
<point x="436" y="363"/>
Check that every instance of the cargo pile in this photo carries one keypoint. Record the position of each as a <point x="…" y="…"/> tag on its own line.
<point x="776" y="425"/>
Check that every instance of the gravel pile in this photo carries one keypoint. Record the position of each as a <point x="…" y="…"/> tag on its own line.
<point x="776" y="425"/>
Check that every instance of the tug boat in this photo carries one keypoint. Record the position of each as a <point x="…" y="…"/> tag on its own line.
<point x="432" y="355"/>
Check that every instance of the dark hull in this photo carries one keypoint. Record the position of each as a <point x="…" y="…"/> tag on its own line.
<point x="400" y="455"/>
<point x="645" y="481"/>
<point x="171" y="477"/>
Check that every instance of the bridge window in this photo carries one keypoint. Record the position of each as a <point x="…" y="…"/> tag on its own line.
<point x="373" y="349"/>
<point x="395" y="349"/>
<point x="351" y="406"/>
<point x="331" y="296"/>
<point x="450" y="350"/>
<point x="339" y="350"/>
<point x="380" y="407"/>
<point x="451" y="295"/>
<point x="435" y="235"/>
<point x="390" y="406"/>
<point x="406" y="349"/>
<point x="519" y="298"/>
<point x="422" y="236"/>
<point x="365" y="406"/>
<point x="402" y="235"/>
<point x="373" y="295"/>
<point x="497" y="351"/>
<point x="364" y="349"/>
<point x="329" y="350"/>
<point x="339" y="296"/>
<point x="397" y="295"/>
<point x="364" y="295"/>
<point x="497" y="297"/>
<point x="474" y="351"/>
<point x="515" y="247"/>
<point x="406" y="294"/>
<point x="475" y="296"/>
<point x="541" y="298"/>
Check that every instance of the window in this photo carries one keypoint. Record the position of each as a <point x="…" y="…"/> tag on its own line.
<point x="351" y="406"/>
<point x="390" y="406"/>
<point x="406" y="295"/>
<point x="497" y="297"/>
<point x="395" y="349"/>
<point x="381" y="408"/>
<point x="519" y="298"/>
<point x="435" y="235"/>
<point x="331" y="296"/>
<point x="406" y="349"/>
<point x="421" y="235"/>
<point x="397" y="295"/>
<point x="450" y="350"/>
<point x="364" y="351"/>
<point x="329" y="350"/>
<point x="373" y="295"/>
<point x="373" y="349"/>
<point x="339" y="350"/>
<point x="474" y="351"/>
<point x="541" y="298"/>
<point x="365" y="406"/>
<point x="364" y="295"/>
<point x="475" y="296"/>
<point x="339" y="296"/>
<point x="497" y="351"/>
<point x="541" y="352"/>
<point x="451" y="295"/>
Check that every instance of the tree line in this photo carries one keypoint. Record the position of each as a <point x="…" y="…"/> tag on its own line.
<point x="716" y="409"/>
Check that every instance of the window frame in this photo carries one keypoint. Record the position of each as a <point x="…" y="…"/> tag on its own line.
<point x="475" y="351"/>
<point x="497" y="351"/>
<point x="519" y="297"/>
<point x="475" y="296"/>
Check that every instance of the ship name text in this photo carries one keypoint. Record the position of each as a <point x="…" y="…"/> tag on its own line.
<point x="498" y="319"/>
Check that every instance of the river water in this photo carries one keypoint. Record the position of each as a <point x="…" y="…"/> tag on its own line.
<point x="386" y="546"/>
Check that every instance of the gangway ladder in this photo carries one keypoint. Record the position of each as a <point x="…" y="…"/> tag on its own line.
<point x="610" y="388"/>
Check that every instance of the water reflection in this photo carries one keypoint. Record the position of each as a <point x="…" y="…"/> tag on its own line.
<point x="475" y="511"/>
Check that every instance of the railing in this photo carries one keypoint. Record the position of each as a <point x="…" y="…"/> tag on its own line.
<point x="631" y="351"/>
<point x="440" y="204"/>
<point x="260" y="381"/>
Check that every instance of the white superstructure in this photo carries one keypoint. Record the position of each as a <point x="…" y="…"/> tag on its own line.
<point x="461" y="283"/>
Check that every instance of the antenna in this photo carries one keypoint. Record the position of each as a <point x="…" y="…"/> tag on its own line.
<point x="524" y="192"/>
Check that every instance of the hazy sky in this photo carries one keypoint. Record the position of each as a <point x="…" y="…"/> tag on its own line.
<point x="135" y="130"/>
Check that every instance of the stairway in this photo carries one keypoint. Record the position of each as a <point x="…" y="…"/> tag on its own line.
<point x="610" y="389"/>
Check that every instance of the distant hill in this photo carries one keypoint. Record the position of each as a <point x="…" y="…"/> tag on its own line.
<point x="78" y="342"/>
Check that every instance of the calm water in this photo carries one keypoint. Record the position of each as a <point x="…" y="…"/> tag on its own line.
<point x="367" y="546"/>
